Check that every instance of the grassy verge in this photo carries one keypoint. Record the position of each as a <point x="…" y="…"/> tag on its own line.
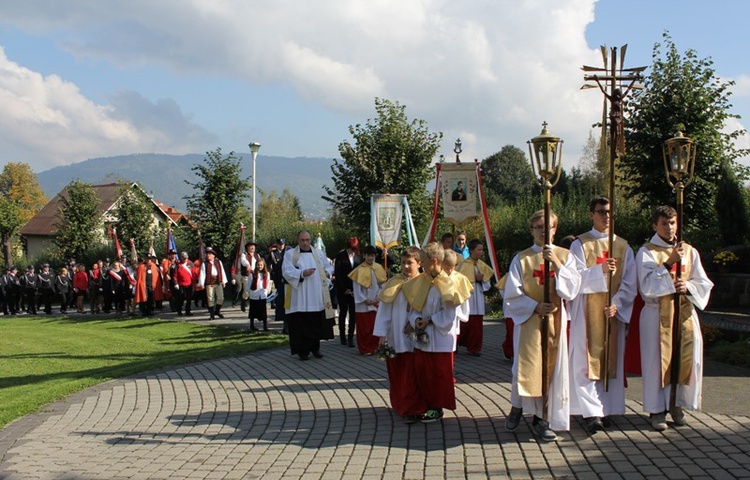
<point x="45" y="359"/>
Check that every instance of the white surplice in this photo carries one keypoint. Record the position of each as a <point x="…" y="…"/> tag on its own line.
<point x="654" y="281"/>
<point x="520" y="308"/>
<point x="587" y="397"/>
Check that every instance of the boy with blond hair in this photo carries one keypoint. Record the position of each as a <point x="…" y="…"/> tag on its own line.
<point x="524" y="303"/>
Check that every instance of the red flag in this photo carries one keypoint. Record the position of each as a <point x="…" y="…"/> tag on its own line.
<point x="118" y="248"/>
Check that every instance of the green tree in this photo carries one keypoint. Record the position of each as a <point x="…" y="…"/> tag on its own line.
<point x="389" y="154"/>
<point x="79" y="220"/>
<point x="276" y="213"/>
<point x="217" y="206"/>
<point x="730" y="208"/>
<point x="21" y="198"/>
<point x="507" y="176"/>
<point x="594" y="165"/>
<point x="682" y="93"/>
<point x="134" y="217"/>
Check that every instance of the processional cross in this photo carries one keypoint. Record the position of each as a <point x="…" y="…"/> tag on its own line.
<point x="611" y="80"/>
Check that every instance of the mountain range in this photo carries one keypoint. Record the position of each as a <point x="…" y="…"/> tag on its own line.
<point x="164" y="177"/>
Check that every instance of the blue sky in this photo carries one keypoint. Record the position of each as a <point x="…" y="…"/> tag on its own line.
<point x="83" y="79"/>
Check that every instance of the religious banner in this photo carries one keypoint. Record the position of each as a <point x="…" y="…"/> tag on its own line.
<point x="458" y="186"/>
<point x="386" y="216"/>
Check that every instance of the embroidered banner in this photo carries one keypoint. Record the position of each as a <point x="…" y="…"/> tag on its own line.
<point x="458" y="186"/>
<point x="386" y="215"/>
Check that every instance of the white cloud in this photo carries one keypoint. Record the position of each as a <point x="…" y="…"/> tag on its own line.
<point x="488" y="70"/>
<point x="47" y="121"/>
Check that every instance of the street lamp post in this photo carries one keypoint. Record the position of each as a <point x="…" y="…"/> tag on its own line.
<point x="254" y="147"/>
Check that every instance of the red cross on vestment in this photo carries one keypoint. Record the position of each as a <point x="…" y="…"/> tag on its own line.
<point x="540" y="274"/>
<point x="673" y="270"/>
<point x="603" y="258"/>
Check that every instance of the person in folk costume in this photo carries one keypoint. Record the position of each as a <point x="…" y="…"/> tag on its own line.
<point x="129" y="292"/>
<point x="276" y="257"/>
<point x="589" y="311"/>
<point x="46" y="288"/>
<point x="524" y="303"/>
<point x="480" y="275"/>
<point x="12" y="290"/>
<point x="107" y="294"/>
<point x="118" y="285"/>
<point x="366" y="281"/>
<point x="30" y="284"/>
<point x="259" y="286"/>
<point x="434" y="299"/>
<point x="344" y="263"/>
<point x="199" y="292"/>
<point x="213" y="279"/>
<point x="72" y="269"/>
<point x="248" y="260"/>
<point x="95" y="286"/>
<point x="167" y="271"/>
<point x="184" y="283"/>
<point x="63" y="286"/>
<point x="307" y="304"/>
<point x="80" y="286"/>
<point x="656" y="263"/>
<point x="392" y="327"/>
<point x="147" y="284"/>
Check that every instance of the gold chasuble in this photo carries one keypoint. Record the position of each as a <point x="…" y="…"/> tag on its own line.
<point x="416" y="290"/>
<point x="470" y="266"/>
<point x="530" y="355"/>
<point x="362" y="274"/>
<point x="595" y="250"/>
<point x="390" y="290"/>
<point x="666" y="318"/>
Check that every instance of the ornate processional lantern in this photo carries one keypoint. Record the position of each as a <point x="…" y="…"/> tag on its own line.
<point x="545" y="151"/>
<point x="679" y="163"/>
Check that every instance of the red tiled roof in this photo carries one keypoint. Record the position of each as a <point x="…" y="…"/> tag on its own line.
<point x="43" y="223"/>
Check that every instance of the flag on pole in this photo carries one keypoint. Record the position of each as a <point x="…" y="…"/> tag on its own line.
<point x="237" y="265"/>
<point x="133" y="253"/>
<point x="201" y="248"/>
<point x="118" y="248"/>
<point x="170" y="242"/>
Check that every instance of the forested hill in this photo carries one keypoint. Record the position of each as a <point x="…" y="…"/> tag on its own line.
<point x="164" y="176"/>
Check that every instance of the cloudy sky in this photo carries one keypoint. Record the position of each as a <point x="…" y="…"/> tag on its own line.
<point x="84" y="78"/>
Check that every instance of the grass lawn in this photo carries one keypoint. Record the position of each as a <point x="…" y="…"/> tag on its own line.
<point x="43" y="359"/>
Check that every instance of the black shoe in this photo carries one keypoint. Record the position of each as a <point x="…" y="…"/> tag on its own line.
<point x="411" y="419"/>
<point x="304" y="357"/>
<point x="594" y="424"/>
<point x="343" y="340"/>
<point x="317" y="354"/>
<point x="253" y="329"/>
<point x="542" y="431"/>
<point x="607" y="422"/>
<point x="350" y="343"/>
<point x="513" y="419"/>
<point x="475" y="354"/>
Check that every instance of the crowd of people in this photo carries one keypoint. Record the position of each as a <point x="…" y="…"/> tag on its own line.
<point x="418" y="318"/>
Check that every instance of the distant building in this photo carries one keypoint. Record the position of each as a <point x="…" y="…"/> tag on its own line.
<point x="38" y="234"/>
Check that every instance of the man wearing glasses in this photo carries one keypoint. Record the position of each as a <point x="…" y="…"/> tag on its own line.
<point x="590" y="310"/>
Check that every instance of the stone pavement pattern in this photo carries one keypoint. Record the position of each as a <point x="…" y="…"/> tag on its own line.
<point x="269" y="416"/>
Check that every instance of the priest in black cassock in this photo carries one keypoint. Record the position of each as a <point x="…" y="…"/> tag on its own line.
<point x="308" y="302"/>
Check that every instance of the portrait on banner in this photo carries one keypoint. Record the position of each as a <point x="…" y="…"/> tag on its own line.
<point x="458" y="188"/>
